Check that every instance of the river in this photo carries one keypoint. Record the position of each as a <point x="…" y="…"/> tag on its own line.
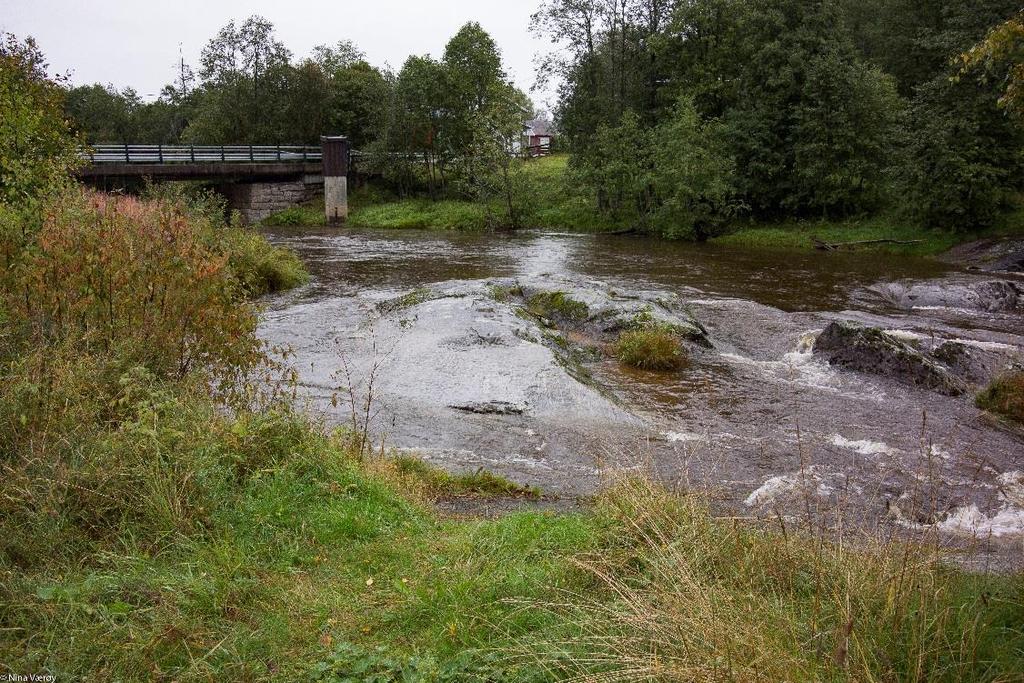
<point x="764" y="426"/>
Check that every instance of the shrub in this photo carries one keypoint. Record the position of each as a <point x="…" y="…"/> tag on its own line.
<point x="136" y="280"/>
<point x="651" y="348"/>
<point x="259" y="266"/>
<point x="1005" y="396"/>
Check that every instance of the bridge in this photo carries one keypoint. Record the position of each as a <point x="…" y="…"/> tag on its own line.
<point x="257" y="180"/>
<point x="200" y="162"/>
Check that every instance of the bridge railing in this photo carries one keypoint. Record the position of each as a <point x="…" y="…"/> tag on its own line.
<point x="191" y="154"/>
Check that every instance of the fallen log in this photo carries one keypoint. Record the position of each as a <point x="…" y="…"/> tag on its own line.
<point x="821" y="245"/>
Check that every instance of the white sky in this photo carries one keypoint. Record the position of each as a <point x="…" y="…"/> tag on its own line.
<point x="136" y="43"/>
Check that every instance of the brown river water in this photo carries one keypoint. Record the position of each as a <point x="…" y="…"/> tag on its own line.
<point x="766" y="427"/>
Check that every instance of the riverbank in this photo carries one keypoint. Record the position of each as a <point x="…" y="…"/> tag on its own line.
<point x="550" y="202"/>
<point x="316" y="562"/>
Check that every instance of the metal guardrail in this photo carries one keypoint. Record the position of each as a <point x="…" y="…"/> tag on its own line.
<point x="200" y="154"/>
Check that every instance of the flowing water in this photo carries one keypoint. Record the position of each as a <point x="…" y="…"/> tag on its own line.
<point x="759" y="421"/>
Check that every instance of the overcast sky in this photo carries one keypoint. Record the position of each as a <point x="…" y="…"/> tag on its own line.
<point x="136" y="43"/>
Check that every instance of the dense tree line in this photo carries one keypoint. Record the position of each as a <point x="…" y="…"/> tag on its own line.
<point x="782" y="108"/>
<point x="680" y="114"/>
<point x="248" y="90"/>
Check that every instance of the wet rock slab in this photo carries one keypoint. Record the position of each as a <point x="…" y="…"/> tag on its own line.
<point x="603" y="311"/>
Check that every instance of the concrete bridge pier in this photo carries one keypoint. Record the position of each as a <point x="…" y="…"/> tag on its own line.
<point x="335" y="160"/>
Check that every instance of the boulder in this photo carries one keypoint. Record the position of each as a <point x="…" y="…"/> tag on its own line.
<point x="992" y="296"/>
<point x="974" y="365"/>
<point x="868" y="349"/>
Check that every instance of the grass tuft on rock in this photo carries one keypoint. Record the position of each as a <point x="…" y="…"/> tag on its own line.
<point x="1005" y="396"/>
<point x="654" y="348"/>
<point x="557" y="306"/>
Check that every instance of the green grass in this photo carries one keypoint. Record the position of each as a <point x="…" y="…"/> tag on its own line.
<point x="421" y="213"/>
<point x="1005" y="396"/>
<point x="650" y="348"/>
<point x="548" y="201"/>
<point x="437" y="483"/>
<point x="304" y="215"/>
<point x="557" y="306"/>
<point x="261" y="267"/>
<point x="310" y="563"/>
<point x="800" y="235"/>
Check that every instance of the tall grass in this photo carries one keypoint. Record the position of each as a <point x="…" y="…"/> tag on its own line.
<point x="650" y="348"/>
<point x="687" y="597"/>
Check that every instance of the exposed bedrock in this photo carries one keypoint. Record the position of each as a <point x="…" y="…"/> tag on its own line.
<point x="992" y="296"/>
<point x="991" y="255"/>
<point x="601" y="312"/>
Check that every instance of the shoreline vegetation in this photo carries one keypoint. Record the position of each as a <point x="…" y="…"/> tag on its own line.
<point x="556" y="206"/>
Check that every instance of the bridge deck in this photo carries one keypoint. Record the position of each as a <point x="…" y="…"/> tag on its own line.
<point x="201" y="161"/>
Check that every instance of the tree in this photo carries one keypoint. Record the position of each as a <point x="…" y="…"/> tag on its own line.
<point x="38" y="149"/>
<point x="104" y="114"/>
<point x="1001" y="55"/>
<point x="842" y="139"/>
<point x="451" y="124"/>
<point x="474" y="81"/>
<point x="617" y="167"/>
<point x="610" y="57"/>
<point x="676" y="179"/>
<point x="960" y="156"/>
<point x="694" y="174"/>
<point x="308" y="103"/>
<point x="960" y="162"/>
<point x="412" y="129"/>
<point x="243" y="72"/>
<point x="807" y="119"/>
<point x="494" y="172"/>
<point x="357" y="93"/>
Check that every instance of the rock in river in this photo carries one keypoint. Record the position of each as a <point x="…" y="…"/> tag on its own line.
<point x="991" y="296"/>
<point x="868" y="349"/>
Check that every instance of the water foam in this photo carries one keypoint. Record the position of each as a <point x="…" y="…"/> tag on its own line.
<point x="802" y="368"/>
<point x="906" y="335"/>
<point x="808" y="481"/>
<point x="864" y="446"/>
<point x="684" y="437"/>
<point x="971" y="521"/>
<point x="986" y="345"/>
